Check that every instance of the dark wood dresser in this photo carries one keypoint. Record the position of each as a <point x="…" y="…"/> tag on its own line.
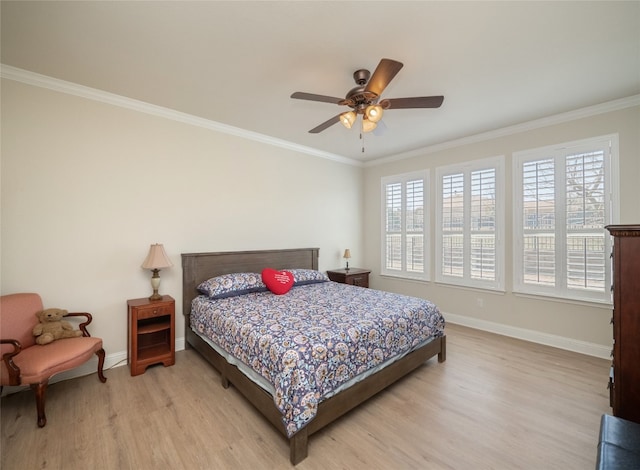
<point x="624" y="380"/>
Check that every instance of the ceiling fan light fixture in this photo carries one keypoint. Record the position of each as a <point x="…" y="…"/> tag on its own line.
<point x="374" y="112"/>
<point x="367" y="125"/>
<point x="347" y="119"/>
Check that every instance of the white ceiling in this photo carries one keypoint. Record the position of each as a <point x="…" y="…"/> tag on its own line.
<point x="237" y="63"/>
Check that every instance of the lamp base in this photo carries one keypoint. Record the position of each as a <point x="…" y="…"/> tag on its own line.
<point x="155" y="285"/>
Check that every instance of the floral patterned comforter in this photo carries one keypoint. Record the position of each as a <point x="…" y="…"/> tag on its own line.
<point x="316" y="337"/>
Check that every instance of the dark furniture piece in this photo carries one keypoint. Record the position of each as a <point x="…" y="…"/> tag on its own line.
<point x="151" y="333"/>
<point x="619" y="444"/>
<point x="353" y="276"/>
<point x="198" y="267"/>
<point x="624" y="379"/>
<point x="24" y="362"/>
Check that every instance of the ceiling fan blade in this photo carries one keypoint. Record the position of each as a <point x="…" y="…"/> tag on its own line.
<point x="326" y="124"/>
<point x="299" y="95"/>
<point x="382" y="76"/>
<point x="417" y="102"/>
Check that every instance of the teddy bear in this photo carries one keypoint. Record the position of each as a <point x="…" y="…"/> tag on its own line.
<point x="52" y="327"/>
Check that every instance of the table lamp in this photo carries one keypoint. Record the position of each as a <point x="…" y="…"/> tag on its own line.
<point x="346" y="256"/>
<point x="156" y="260"/>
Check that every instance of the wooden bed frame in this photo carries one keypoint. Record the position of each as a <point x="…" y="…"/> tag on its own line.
<point x="198" y="267"/>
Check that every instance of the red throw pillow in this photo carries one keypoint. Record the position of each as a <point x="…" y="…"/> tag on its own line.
<point x="278" y="282"/>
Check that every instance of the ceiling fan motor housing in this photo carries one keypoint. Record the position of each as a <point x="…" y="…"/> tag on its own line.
<point x="358" y="98"/>
<point x="361" y="76"/>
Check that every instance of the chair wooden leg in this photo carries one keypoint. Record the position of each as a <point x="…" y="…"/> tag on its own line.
<point x="40" y="389"/>
<point x="100" y="355"/>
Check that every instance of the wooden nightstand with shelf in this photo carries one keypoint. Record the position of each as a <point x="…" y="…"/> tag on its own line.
<point x="354" y="276"/>
<point x="151" y="328"/>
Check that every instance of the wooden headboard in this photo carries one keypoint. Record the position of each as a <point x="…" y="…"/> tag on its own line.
<point x="198" y="267"/>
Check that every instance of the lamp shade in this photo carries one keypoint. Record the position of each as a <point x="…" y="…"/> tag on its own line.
<point x="157" y="258"/>
<point x="374" y="112"/>
<point x="347" y="119"/>
<point x="347" y="254"/>
<point x="368" y="126"/>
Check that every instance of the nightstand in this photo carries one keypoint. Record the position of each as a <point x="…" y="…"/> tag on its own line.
<point x="354" y="276"/>
<point x="151" y="329"/>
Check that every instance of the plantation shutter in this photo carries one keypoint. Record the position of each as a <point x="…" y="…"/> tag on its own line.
<point x="585" y="217"/>
<point x="453" y="225"/>
<point x="564" y="199"/>
<point x="483" y="224"/>
<point x="415" y="226"/>
<point x="393" y="239"/>
<point x="470" y="216"/>
<point x="538" y="200"/>
<point x="405" y="223"/>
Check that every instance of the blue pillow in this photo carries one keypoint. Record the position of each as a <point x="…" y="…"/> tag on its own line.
<point x="302" y="277"/>
<point x="229" y="285"/>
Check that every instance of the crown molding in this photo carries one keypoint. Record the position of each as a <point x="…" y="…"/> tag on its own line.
<point x="43" y="81"/>
<point x="581" y="113"/>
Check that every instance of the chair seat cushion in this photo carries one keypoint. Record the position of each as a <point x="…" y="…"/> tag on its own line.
<point x="40" y="362"/>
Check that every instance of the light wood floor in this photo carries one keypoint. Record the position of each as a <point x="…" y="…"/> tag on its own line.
<point x="496" y="403"/>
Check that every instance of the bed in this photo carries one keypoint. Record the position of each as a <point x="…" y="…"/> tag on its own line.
<point x="199" y="267"/>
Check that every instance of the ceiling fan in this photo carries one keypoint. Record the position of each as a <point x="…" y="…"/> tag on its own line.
<point x="364" y="99"/>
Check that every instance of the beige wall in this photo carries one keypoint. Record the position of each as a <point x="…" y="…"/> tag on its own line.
<point x="88" y="186"/>
<point x="574" y="326"/>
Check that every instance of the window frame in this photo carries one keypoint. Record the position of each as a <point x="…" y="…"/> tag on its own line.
<point x="559" y="153"/>
<point x="467" y="168"/>
<point x="403" y="179"/>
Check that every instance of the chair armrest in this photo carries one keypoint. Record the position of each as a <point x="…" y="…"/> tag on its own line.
<point x="83" y="325"/>
<point x="7" y="358"/>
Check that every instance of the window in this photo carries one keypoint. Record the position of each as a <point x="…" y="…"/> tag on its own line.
<point x="470" y="224"/>
<point x="405" y="225"/>
<point x="563" y="199"/>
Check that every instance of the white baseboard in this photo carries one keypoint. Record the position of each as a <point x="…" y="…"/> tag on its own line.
<point x="561" y="342"/>
<point x="110" y="361"/>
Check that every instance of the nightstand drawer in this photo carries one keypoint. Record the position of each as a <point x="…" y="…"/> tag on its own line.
<point x="362" y="281"/>
<point x="154" y="312"/>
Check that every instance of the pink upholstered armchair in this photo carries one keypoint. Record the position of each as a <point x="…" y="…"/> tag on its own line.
<point x="25" y="362"/>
